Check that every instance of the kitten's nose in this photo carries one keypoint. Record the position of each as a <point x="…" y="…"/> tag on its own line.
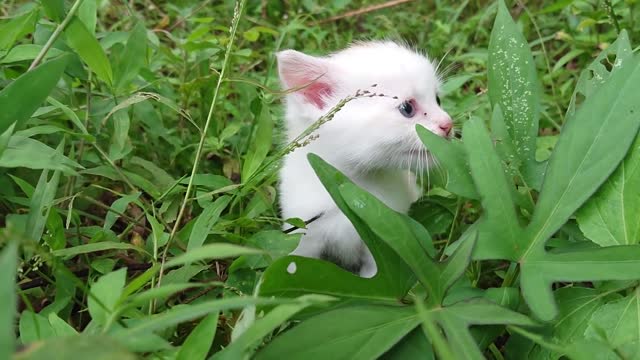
<point x="446" y="126"/>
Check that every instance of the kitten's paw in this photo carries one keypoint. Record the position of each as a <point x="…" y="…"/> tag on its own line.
<point x="368" y="270"/>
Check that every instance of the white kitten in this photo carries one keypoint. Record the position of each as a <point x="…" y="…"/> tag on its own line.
<point x="372" y="140"/>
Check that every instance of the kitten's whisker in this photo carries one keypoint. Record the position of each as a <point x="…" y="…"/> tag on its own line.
<point x="442" y="59"/>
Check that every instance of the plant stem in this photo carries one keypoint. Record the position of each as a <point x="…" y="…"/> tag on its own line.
<point x="612" y="15"/>
<point x="509" y="278"/>
<point x="234" y="26"/>
<point x="55" y="34"/>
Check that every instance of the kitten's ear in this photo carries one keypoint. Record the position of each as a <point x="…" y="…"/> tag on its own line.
<point x="311" y="73"/>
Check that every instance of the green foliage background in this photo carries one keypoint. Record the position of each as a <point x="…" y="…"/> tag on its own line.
<point x="139" y="149"/>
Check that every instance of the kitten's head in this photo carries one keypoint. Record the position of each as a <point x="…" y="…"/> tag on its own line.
<point x="369" y="132"/>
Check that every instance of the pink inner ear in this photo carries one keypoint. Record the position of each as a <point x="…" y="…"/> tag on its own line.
<point x="315" y="92"/>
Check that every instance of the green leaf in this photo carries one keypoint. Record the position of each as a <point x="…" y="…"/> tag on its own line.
<point x="8" y="262"/>
<point x="60" y="327"/>
<point x="260" y="145"/>
<point x="592" y="144"/>
<point x="513" y="84"/>
<point x="32" y="154"/>
<point x="93" y="247"/>
<point x="34" y="327"/>
<point x="452" y="157"/>
<point x="456" y="320"/>
<point x="76" y="347"/>
<point x="612" y="215"/>
<point x="244" y="345"/>
<point x="105" y="294"/>
<point x="118" y="207"/>
<point x="575" y="307"/>
<point x="206" y="221"/>
<point x="133" y="57"/>
<point x="16" y="28"/>
<point x="499" y="234"/>
<point x="70" y="114"/>
<point x="40" y="204"/>
<point x="618" y="322"/>
<point x="84" y="43"/>
<point x="21" y="98"/>
<point x="211" y="251"/>
<point x="25" y="52"/>
<point x="397" y="234"/>
<point x="365" y="332"/>
<point x="413" y="346"/>
<point x="87" y="13"/>
<point x="400" y="235"/>
<point x="182" y="313"/>
<point x="539" y="271"/>
<point x="596" y="74"/>
<point x="196" y="346"/>
<point x="295" y="275"/>
<point x="54" y="9"/>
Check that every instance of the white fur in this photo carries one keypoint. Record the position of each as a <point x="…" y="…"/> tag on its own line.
<point x="369" y="139"/>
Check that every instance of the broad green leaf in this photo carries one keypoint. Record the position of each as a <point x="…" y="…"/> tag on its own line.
<point x="451" y="156"/>
<point x="84" y="43"/>
<point x="196" y="346"/>
<point x="575" y="307"/>
<point x="97" y="347"/>
<point x="499" y="233"/>
<point x="32" y="154"/>
<point x="365" y="332"/>
<point x="592" y="144"/>
<point x="25" y="52"/>
<point x="456" y="320"/>
<point x="60" y="327"/>
<point x="540" y="270"/>
<point x="206" y="221"/>
<point x="93" y="247"/>
<point x="21" y="98"/>
<point x="413" y="346"/>
<point x="400" y="235"/>
<point x="54" y="9"/>
<point x="618" y="322"/>
<point x="105" y="294"/>
<point x="34" y="327"/>
<point x="392" y="271"/>
<point x="396" y="232"/>
<point x="295" y="275"/>
<point x="596" y="74"/>
<point x="8" y="262"/>
<point x="513" y="84"/>
<point x="133" y="57"/>
<point x="211" y="252"/>
<point x="244" y="346"/>
<point x="275" y="243"/>
<point x="612" y="215"/>
<point x="261" y="143"/>
<point x="87" y="13"/>
<point x="16" y="28"/>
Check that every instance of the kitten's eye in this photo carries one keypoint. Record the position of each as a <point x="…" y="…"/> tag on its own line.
<point x="438" y="100"/>
<point x="407" y="109"/>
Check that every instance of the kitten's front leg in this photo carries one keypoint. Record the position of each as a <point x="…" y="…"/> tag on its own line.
<point x="309" y="247"/>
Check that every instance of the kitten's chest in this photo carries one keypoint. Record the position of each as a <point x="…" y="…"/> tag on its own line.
<point x="397" y="189"/>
